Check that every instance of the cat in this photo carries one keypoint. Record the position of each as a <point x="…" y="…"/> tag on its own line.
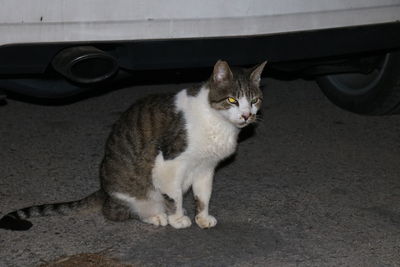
<point x="163" y="145"/>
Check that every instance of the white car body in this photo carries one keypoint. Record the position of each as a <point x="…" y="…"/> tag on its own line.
<point x="43" y="21"/>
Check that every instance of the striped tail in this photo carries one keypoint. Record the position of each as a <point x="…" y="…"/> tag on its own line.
<point x="17" y="220"/>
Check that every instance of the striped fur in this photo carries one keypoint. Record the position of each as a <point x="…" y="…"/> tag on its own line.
<point x="17" y="220"/>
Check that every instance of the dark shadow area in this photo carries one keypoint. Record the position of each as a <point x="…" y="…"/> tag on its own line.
<point x="122" y="80"/>
<point x="247" y="132"/>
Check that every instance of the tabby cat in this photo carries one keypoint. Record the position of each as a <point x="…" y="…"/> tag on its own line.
<point x="162" y="146"/>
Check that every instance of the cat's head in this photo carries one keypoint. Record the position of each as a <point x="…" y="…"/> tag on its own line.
<point x="236" y="93"/>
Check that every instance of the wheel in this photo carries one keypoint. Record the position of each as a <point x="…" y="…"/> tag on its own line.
<point x="375" y="93"/>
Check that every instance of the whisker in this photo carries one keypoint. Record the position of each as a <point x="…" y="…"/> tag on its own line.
<point x="259" y="119"/>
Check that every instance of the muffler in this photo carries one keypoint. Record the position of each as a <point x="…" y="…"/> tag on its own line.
<point x="85" y="64"/>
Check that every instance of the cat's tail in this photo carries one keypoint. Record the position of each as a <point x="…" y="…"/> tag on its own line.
<point x="17" y="220"/>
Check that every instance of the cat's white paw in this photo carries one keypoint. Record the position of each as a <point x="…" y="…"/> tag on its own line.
<point x="179" y="221"/>
<point x="157" y="220"/>
<point x="206" y="221"/>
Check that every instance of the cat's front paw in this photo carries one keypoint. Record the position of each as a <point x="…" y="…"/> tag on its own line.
<point x="207" y="221"/>
<point x="179" y="221"/>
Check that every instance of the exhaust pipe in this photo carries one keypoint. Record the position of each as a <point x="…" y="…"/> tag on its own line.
<point x="85" y="64"/>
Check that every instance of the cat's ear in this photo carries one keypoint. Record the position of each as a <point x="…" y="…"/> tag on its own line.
<point x="222" y="74"/>
<point x="255" y="75"/>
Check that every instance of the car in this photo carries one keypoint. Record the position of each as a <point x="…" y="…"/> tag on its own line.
<point x="56" y="48"/>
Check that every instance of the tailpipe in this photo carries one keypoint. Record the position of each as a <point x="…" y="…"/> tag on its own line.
<point x="85" y="64"/>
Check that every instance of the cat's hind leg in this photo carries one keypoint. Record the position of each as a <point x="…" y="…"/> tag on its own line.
<point x="157" y="220"/>
<point x="150" y="210"/>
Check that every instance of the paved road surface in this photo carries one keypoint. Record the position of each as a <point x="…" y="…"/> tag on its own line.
<point x="312" y="185"/>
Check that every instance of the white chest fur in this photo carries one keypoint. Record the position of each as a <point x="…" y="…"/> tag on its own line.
<point x="209" y="135"/>
<point x="210" y="138"/>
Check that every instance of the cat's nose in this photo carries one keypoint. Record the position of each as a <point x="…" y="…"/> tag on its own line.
<point x="246" y="116"/>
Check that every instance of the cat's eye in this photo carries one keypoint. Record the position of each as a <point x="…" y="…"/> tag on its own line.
<point x="255" y="101"/>
<point x="232" y="100"/>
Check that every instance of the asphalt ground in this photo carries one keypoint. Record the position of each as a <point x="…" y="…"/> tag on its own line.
<point x="310" y="185"/>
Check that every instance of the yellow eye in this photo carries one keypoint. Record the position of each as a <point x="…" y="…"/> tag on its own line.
<point x="232" y="100"/>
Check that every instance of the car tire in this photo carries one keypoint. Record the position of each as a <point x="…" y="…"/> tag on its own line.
<point x="375" y="93"/>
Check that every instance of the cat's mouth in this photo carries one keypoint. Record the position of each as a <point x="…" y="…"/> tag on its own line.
<point x="242" y="124"/>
